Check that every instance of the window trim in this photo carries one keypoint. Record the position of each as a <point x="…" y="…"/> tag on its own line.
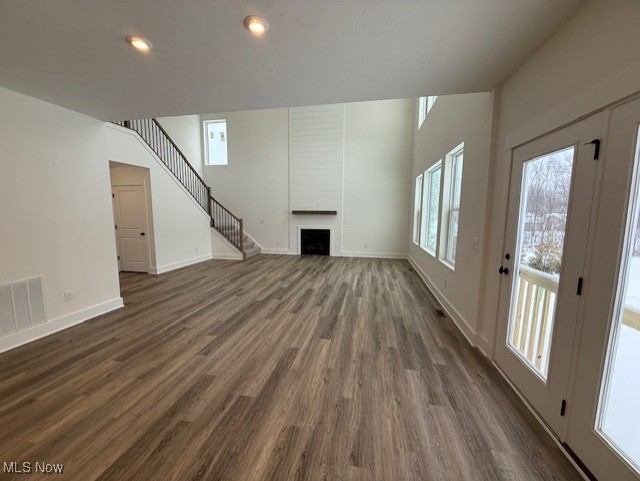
<point x="449" y="208"/>
<point x="426" y="192"/>
<point x="417" y="208"/>
<point x="205" y="138"/>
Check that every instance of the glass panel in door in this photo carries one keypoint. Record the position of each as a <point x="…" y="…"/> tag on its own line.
<point x="544" y="206"/>
<point x="619" y="417"/>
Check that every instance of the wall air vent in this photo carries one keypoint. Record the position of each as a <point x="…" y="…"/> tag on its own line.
<point x="21" y="306"/>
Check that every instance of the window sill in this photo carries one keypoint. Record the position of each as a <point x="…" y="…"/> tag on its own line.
<point x="432" y="253"/>
<point x="448" y="264"/>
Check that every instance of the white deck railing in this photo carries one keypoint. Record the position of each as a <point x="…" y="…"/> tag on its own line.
<point x="533" y="321"/>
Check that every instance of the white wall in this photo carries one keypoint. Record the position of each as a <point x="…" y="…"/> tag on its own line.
<point x="452" y="120"/>
<point x="180" y="227"/>
<point x="255" y="184"/>
<point x="55" y="209"/>
<point x="185" y="132"/>
<point x="377" y="145"/>
<point x="591" y="62"/>
<point x="377" y="171"/>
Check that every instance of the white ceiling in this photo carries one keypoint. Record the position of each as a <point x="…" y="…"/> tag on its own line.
<point x="72" y="52"/>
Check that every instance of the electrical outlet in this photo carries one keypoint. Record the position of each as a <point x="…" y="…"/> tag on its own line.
<point x="445" y="283"/>
<point x="68" y="296"/>
<point x="366" y="246"/>
<point x="262" y="221"/>
<point x="475" y="243"/>
<point x="277" y="243"/>
<point x="196" y="250"/>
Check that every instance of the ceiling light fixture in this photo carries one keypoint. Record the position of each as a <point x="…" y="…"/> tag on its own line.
<point x="256" y="25"/>
<point x="139" y="43"/>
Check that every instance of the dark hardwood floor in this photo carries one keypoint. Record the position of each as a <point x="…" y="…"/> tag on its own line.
<point x="278" y="368"/>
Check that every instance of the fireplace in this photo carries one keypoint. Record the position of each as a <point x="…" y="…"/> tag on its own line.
<point x="315" y="242"/>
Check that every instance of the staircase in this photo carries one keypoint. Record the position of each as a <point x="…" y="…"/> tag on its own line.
<point x="222" y="219"/>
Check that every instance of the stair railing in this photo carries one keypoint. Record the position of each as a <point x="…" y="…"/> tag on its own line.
<point x="222" y="219"/>
<point x="230" y="226"/>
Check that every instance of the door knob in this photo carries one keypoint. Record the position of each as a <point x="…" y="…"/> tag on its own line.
<point x="501" y="270"/>
<point x="141" y="233"/>
<point x="504" y="270"/>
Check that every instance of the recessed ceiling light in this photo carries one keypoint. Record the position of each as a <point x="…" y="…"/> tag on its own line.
<point x="139" y="43"/>
<point x="256" y="25"/>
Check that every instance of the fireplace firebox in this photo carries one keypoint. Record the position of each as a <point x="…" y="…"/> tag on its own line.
<point x="316" y="242"/>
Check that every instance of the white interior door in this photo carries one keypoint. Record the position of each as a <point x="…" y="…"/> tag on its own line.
<point x="131" y="228"/>
<point x="604" y="425"/>
<point x="550" y="197"/>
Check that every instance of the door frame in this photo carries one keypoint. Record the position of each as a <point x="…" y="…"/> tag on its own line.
<point x="575" y="433"/>
<point x="571" y="456"/>
<point x="148" y="220"/>
<point x="546" y="397"/>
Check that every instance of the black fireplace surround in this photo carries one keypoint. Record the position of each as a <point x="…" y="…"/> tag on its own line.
<point x="316" y="242"/>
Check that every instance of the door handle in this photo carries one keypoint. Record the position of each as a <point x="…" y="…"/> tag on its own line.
<point x="504" y="270"/>
<point x="501" y="270"/>
<point x="141" y="233"/>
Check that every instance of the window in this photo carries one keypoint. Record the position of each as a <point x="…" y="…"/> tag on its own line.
<point x="430" y="207"/>
<point x="425" y="208"/>
<point x="424" y="106"/>
<point x="422" y="110"/>
<point x="215" y="146"/>
<point x="431" y="99"/>
<point x="417" y="204"/>
<point x="451" y="209"/>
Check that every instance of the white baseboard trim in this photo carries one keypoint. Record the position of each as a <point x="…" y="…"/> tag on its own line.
<point x="179" y="264"/>
<point x="542" y="423"/>
<point x="228" y="257"/>
<point x="451" y="311"/>
<point x="484" y="346"/>
<point x="277" y="250"/>
<point x="373" y="255"/>
<point x="58" y="324"/>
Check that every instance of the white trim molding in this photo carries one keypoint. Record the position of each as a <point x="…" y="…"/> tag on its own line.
<point x="452" y="312"/>
<point x="277" y="251"/>
<point x="179" y="264"/>
<point x="58" y="324"/>
<point x="373" y="255"/>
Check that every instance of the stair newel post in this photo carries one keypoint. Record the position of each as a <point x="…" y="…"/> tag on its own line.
<point x="241" y="235"/>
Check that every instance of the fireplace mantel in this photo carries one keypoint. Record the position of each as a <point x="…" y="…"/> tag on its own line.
<point x="314" y="212"/>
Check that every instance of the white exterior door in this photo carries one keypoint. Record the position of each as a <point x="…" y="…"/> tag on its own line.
<point x="550" y="196"/>
<point x="131" y="228"/>
<point x="604" y="422"/>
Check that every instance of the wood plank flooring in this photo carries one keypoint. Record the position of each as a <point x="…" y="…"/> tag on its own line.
<point x="278" y="368"/>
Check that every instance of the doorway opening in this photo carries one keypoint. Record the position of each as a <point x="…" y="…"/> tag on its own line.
<point x="133" y="220"/>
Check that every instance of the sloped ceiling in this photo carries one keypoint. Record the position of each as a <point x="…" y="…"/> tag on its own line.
<point x="72" y="52"/>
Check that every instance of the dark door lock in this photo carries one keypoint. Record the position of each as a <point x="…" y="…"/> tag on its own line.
<point x="504" y="270"/>
<point x="507" y="256"/>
